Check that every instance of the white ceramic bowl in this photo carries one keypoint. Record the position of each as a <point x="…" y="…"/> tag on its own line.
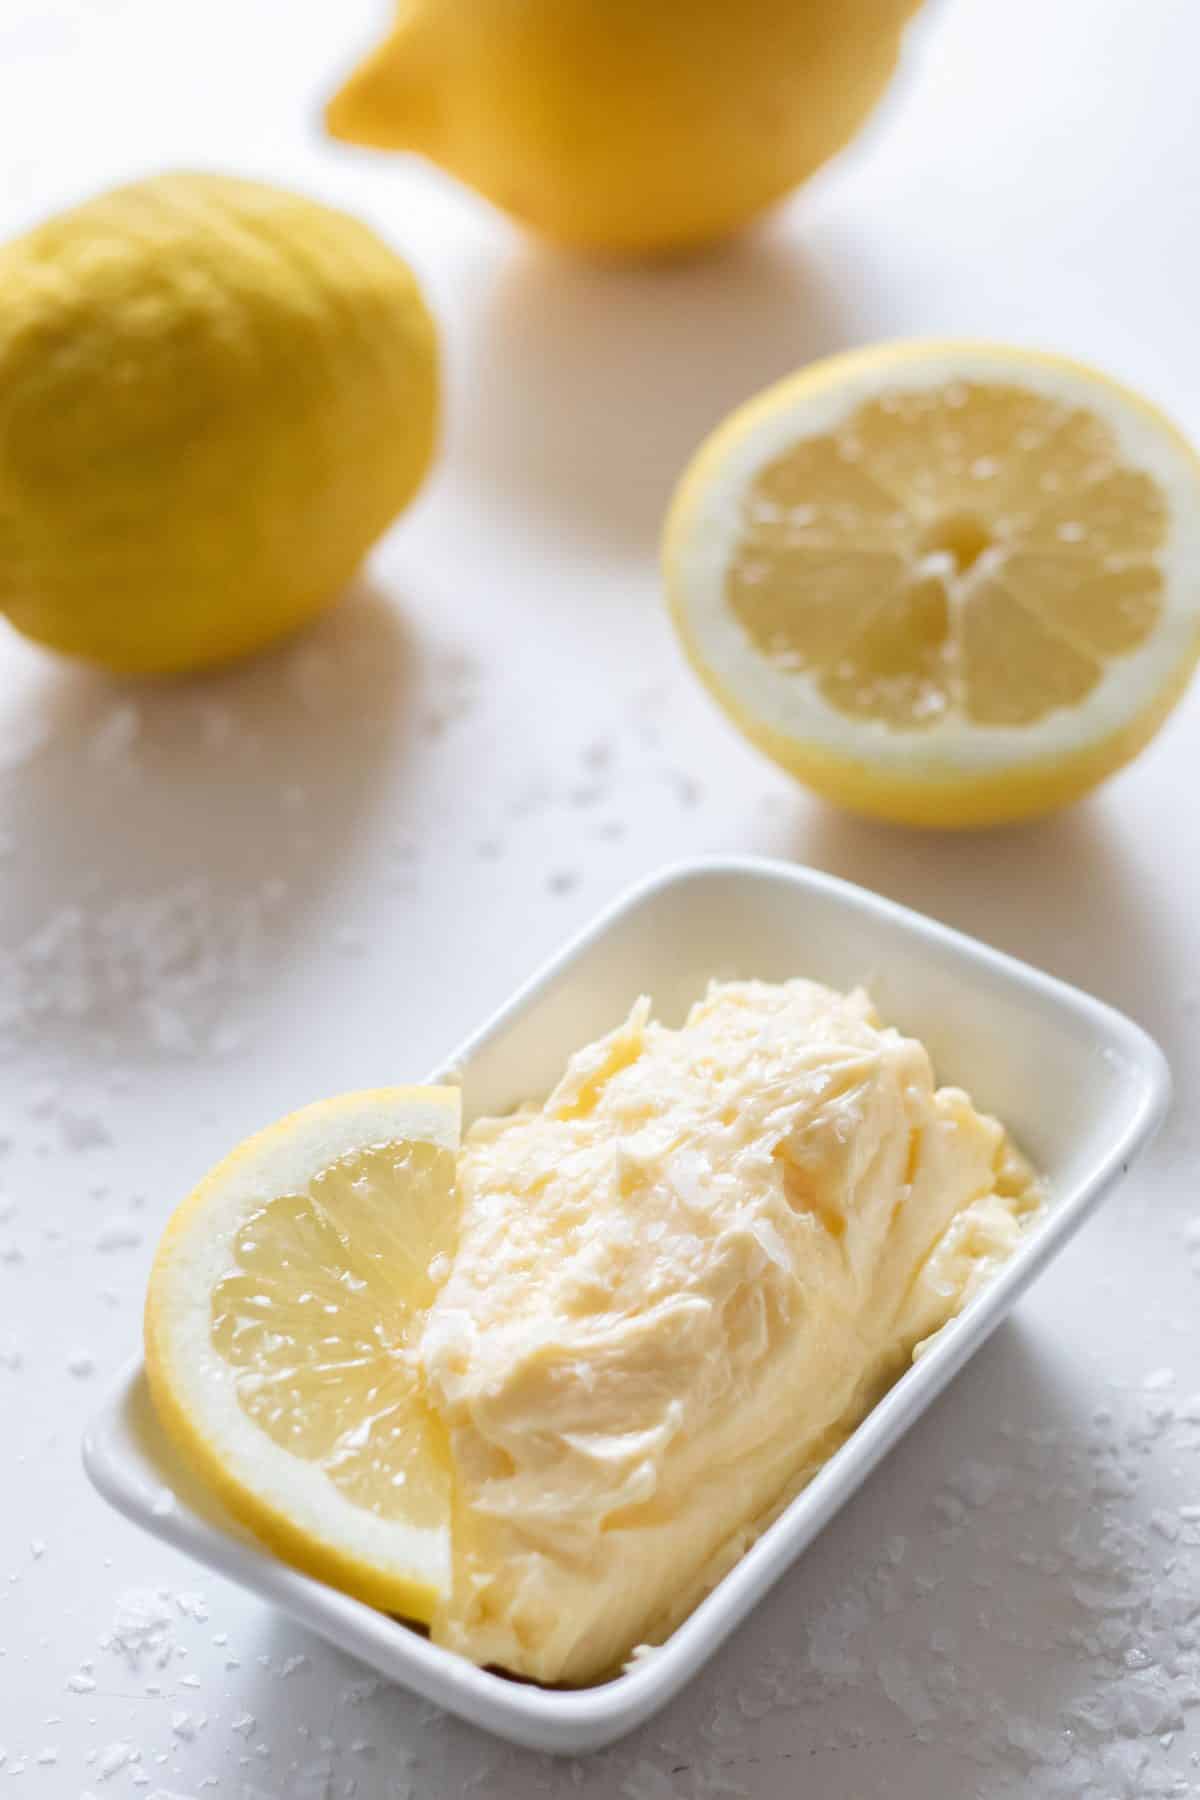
<point x="1081" y="1087"/>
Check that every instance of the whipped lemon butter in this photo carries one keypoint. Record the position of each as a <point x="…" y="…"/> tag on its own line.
<point x="678" y="1284"/>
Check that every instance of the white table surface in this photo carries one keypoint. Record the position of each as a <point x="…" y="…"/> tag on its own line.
<point x="222" y="899"/>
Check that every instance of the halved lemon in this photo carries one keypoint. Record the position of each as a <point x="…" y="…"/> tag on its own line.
<point x="281" y="1317"/>
<point x="948" y="584"/>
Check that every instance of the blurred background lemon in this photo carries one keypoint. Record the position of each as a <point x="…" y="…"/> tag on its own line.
<point x="626" y="128"/>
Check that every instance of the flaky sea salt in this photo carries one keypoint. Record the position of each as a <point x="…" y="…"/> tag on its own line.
<point x="904" y="1687"/>
<point x="168" y="964"/>
<point x="978" y="1483"/>
<point x="141" y="1628"/>
<point x="118" y="1233"/>
<point x="355" y="1693"/>
<point x="115" y="1757"/>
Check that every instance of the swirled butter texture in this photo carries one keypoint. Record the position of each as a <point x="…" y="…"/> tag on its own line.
<point x="678" y="1284"/>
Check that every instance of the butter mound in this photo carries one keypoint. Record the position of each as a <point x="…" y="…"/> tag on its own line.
<point x="679" y="1283"/>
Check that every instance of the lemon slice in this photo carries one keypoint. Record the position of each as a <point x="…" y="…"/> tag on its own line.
<point x="283" y="1306"/>
<point x="947" y="584"/>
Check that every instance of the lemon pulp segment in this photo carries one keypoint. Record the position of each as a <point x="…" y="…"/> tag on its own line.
<point x="317" y="1318"/>
<point x="916" y="573"/>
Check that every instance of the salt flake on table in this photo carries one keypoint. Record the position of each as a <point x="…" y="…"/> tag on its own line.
<point x="906" y="1690"/>
<point x="115" y="1757"/>
<point x="141" y="1629"/>
<point x="118" y="1233"/>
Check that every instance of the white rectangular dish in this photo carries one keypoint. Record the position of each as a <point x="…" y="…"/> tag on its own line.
<point x="1080" y="1086"/>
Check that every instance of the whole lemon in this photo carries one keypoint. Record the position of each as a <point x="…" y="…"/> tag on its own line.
<point x="625" y="126"/>
<point x="214" y="396"/>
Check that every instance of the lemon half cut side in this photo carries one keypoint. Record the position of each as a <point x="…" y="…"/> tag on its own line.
<point x="945" y="584"/>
